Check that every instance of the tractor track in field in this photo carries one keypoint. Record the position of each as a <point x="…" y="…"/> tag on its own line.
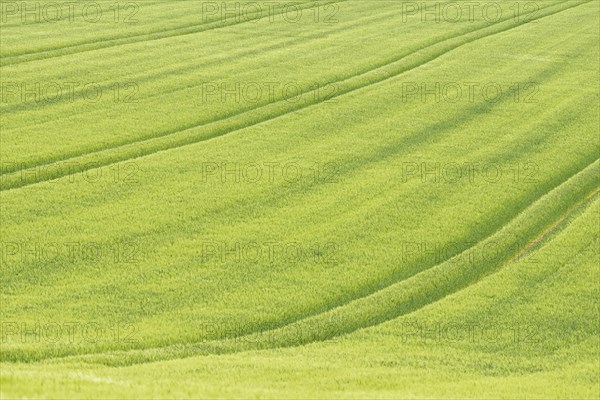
<point x="413" y="142"/>
<point x="384" y="153"/>
<point x="535" y="241"/>
<point x="199" y="124"/>
<point x="99" y="158"/>
<point x="394" y="149"/>
<point x="175" y="70"/>
<point x="427" y="296"/>
<point x="190" y="29"/>
<point x="427" y="299"/>
<point x="68" y="15"/>
<point x="232" y="344"/>
<point x="68" y="156"/>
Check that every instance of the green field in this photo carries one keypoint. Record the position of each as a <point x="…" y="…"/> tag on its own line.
<point x="306" y="200"/>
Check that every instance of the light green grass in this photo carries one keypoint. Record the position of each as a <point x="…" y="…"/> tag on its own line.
<point x="339" y="319"/>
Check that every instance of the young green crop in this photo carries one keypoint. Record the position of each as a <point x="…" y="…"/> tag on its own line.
<point x="357" y="204"/>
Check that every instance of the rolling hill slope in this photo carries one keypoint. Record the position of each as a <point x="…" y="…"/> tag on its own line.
<point x="361" y="203"/>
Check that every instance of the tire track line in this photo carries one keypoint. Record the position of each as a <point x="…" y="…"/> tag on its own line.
<point x="138" y="38"/>
<point x="381" y="154"/>
<point x="202" y="123"/>
<point x="415" y="301"/>
<point x="372" y="77"/>
<point x="231" y="345"/>
<point x="184" y="67"/>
